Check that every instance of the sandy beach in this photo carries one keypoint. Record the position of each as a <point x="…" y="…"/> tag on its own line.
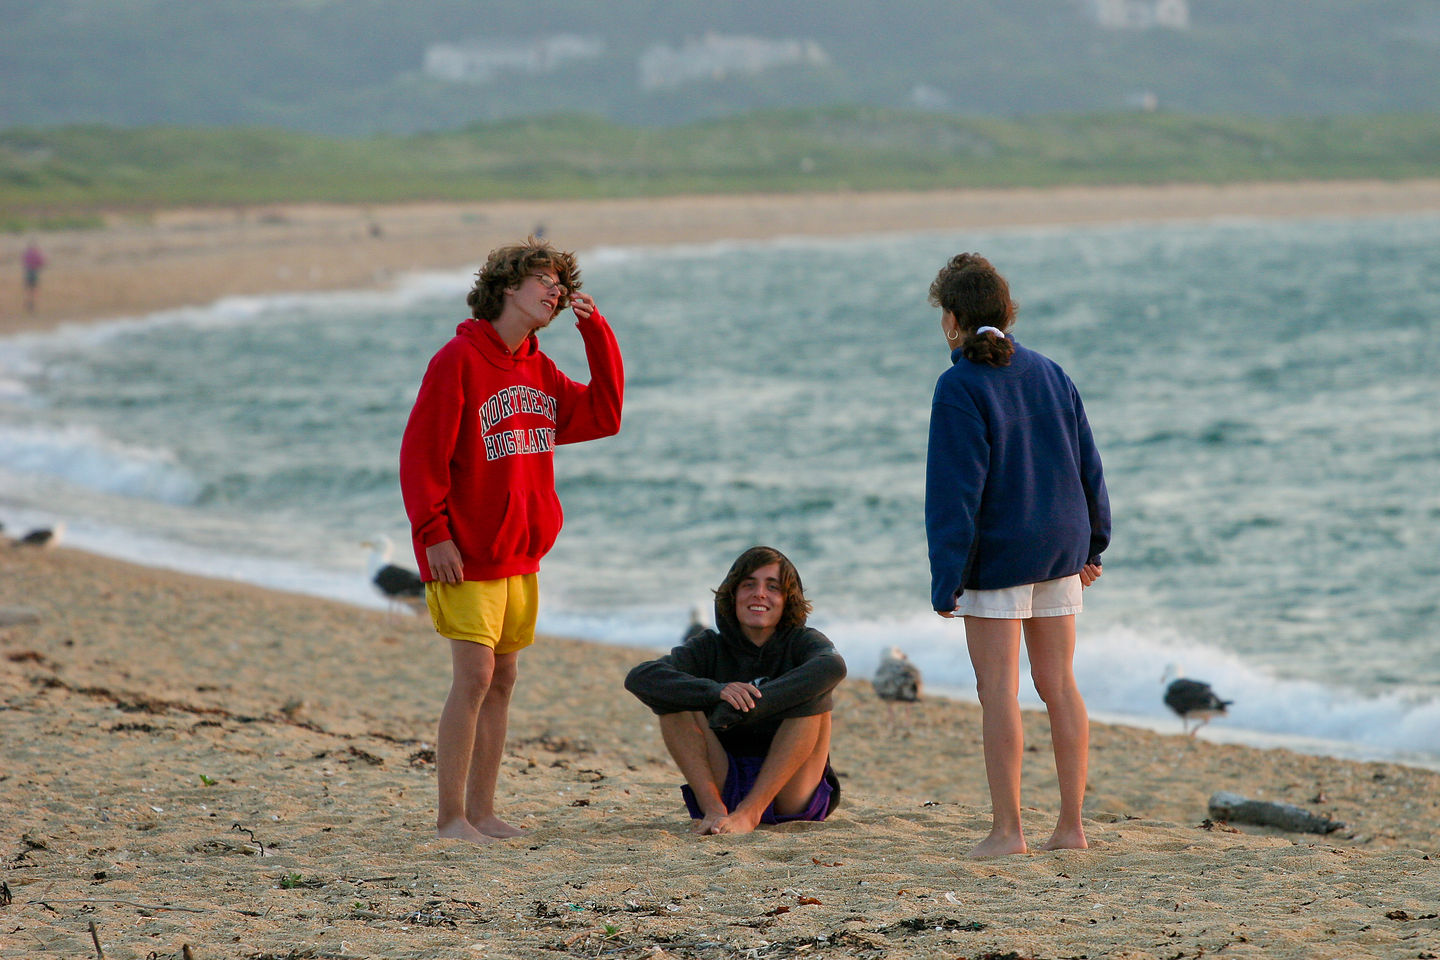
<point x="137" y="265"/>
<point x="200" y="768"/>
<point x="202" y="764"/>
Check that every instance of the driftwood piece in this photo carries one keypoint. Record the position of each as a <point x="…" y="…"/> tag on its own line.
<point x="14" y="616"/>
<point x="1284" y="816"/>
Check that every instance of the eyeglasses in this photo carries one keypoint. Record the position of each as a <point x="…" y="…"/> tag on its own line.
<point x="550" y="285"/>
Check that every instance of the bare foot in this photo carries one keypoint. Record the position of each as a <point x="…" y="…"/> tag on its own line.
<point x="999" y="845"/>
<point x="462" y="830"/>
<point x="493" y="826"/>
<point x="1067" y="839"/>
<point x="736" y="822"/>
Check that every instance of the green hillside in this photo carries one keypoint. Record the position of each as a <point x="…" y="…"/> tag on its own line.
<point x="62" y="172"/>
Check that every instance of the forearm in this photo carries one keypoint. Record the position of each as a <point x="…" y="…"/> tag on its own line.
<point x="955" y="468"/>
<point x="426" y="448"/>
<point x="1092" y="478"/>
<point x="424" y="488"/>
<point x="666" y="689"/>
<point x="594" y="409"/>
<point x="798" y="692"/>
<point x="607" y="372"/>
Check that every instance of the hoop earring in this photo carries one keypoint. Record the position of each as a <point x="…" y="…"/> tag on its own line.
<point x="953" y="335"/>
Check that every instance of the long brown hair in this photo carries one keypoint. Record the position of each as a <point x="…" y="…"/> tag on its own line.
<point x="975" y="294"/>
<point x="797" y="608"/>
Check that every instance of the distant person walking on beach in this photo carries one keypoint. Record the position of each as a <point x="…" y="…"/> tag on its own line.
<point x="32" y="261"/>
<point x="1017" y="516"/>
<point x="477" y="476"/>
<point x="745" y="708"/>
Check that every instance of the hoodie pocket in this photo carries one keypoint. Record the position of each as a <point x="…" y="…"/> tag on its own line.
<point x="530" y="526"/>
<point x="549" y="518"/>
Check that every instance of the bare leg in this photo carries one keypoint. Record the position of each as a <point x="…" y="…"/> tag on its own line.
<point x="489" y="750"/>
<point x="995" y="654"/>
<point x="473" y="666"/>
<point x="788" y="777"/>
<point x="1051" y="644"/>
<point x="701" y="759"/>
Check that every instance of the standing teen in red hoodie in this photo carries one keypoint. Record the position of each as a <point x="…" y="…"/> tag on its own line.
<point x="478" y="478"/>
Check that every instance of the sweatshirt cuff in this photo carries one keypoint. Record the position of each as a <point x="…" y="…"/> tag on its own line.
<point x="436" y="531"/>
<point x="723" y="716"/>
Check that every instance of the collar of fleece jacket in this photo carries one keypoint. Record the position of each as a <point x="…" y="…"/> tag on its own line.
<point x="728" y="627"/>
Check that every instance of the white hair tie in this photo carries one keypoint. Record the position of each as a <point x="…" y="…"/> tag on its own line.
<point x="996" y="329"/>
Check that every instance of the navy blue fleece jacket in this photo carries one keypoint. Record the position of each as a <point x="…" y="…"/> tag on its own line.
<point x="1014" y="490"/>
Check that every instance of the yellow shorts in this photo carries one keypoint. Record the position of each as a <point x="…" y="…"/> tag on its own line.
<point x="498" y="613"/>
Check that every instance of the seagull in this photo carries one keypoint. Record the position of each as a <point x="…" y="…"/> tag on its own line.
<point x="897" y="679"/>
<point x="42" y="537"/>
<point x="1192" y="699"/>
<point x="396" y="584"/>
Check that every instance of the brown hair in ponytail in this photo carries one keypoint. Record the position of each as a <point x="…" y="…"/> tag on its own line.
<point x="975" y="294"/>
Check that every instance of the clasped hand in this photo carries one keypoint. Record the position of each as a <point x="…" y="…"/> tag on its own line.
<point x="741" y="696"/>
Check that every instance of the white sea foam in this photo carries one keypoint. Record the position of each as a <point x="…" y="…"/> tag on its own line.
<point x="1120" y="677"/>
<point x="83" y="457"/>
<point x="14" y="392"/>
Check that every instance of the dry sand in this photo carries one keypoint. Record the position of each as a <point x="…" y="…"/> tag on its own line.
<point x="206" y="766"/>
<point x="193" y="257"/>
<point x="199" y="763"/>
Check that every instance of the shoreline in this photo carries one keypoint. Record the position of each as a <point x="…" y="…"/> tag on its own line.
<point x="192" y="257"/>
<point x="1222" y="732"/>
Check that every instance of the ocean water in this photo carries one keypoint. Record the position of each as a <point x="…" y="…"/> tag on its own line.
<point x="1265" y="395"/>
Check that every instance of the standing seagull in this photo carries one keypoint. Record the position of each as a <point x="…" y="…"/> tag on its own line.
<point x="897" y="679"/>
<point x="1192" y="699"/>
<point x="396" y="584"/>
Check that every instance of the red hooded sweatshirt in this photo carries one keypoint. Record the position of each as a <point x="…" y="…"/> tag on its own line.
<point x="476" y="461"/>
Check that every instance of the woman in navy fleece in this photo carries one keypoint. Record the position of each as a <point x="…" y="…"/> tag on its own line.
<point x="1016" y="515"/>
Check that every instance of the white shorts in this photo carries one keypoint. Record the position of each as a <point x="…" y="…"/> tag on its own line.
<point x="1049" y="598"/>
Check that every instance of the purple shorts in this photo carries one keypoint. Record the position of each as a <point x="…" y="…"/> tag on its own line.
<point x="741" y="777"/>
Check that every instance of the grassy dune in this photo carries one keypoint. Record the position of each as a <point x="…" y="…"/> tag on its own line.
<point x="58" y="175"/>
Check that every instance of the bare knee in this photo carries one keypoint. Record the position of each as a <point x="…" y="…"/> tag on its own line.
<point x="473" y="683"/>
<point x="502" y="678"/>
<point x="805" y="728"/>
<point x="996" y="692"/>
<point x="1053" y="690"/>
<point x="684" y="722"/>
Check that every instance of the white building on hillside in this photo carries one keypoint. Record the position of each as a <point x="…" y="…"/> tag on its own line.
<point x="1140" y="14"/>
<point x="480" y="61"/>
<point x="716" y="57"/>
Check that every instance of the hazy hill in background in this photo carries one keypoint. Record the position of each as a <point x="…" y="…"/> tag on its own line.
<point x="367" y="66"/>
